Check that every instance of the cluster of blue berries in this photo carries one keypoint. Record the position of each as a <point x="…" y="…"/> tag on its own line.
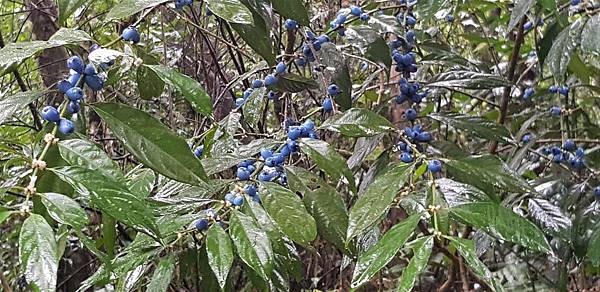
<point x="131" y="34"/>
<point x="404" y="62"/>
<point x="332" y="91"/>
<point x="528" y="93"/>
<point x="270" y="80"/>
<point x="568" y="153"/>
<point x="416" y="135"/>
<point x="410" y="91"/>
<point x="211" y="215"/>
<point x="555" y="111"/>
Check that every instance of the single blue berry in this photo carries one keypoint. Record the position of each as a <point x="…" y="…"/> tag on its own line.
<point x="569" y="145"/>
<point x="75" y="93"/>
<point x="410" y="21"/>
<point x="526" y="138"/>
<point x="365" y="17"/>
<point x="63" y="86"/>
<point x="90" y="69"/>
<point x="301" y="62"/>
<point x="66" y="126"/>
<point x="239" y="102"/>
<point x="131" y="34"/>
<point x="327" y="105"/>
<point x="323" y="39"/>
<point x="424" y="137"/>
<point x="250" y="190"/>
<point x="266" y="153"/>
<point x="564" y="90"/>
<point x="50" y="114"/>
<point x="410" y="37"/>
<point x="333" y="90"/>
<point x="580" y="152"/>
<point x="434" y="166"/>
<point x="198" y="151"/>
<point x="555" y="111"/>
<point x="340" y="18"/>
<point x="577" y="163"/>
<point x="257" y="83"/>
<point x="243" y="173"/>
<point x="294" y="132"/>
<point x="528" y="25"/>
<point x="285" y="150"/>
<point x="265" y="176"/>
<point x="202" y="224"/>
<point x="280" y="68"/>
<point x="94" y="82"/>
<point x="553" y="89"/>
<point x="597" y="191"/>
<point x="290" y="24"/>
<point x="73" y="107"/>
<point x="355" y="10"/>
<point x="575" y="2"/>
<point x="76" y="64"/>
<point x="449" y="18"/>
<point x="238" y="201"/>
<point x="410" y="114"/>
<point x="529" y="92"/>
<point x="406" y="157"/>
<point x="308" y="124"/>
<point x="270" y="80"/>
<point x="74" y="79"/>
<point x="229" y="197"/>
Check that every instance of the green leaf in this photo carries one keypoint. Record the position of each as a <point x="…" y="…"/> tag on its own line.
<point x="593" y="249"/>
<point x="253" y="107"/>
<point x="65" y="210"/>
<point x="191" y="89"/>
<point x="84" y="153"/>
<point x="14" y="54"/>
<point x="358" y="122"/>
<point x="487" y="173"/>
<point x="222" y="161"/>
<point x="457" y="193"/>
<point x="66" y="8"/>
<point x="421" y="251"/>
<point x="257" y="37"/>
<point x="252" y="244"/>
<point x="9" y="105"/>
<point x="559" y="55"/>
<point x="467" y="80"/>
<point x="590" y="36"/>
<point x="477" y="126"/>
<point x="232" y="11"/>
<point x="377" y="199"/>
<point x="466" y="248"/>
<point x="149" y="84"/>
<point x="520" y="9"/>
<point x="220" y="252"/>
<point x="322" y="154"/>
<point x="327" y="206"/>
<point x="292" y="9"/>
<point x="379" y="52"/>
<point x="428" y="8"/>
<point x="110" y="196"/>
<point x="294" y="83"/>
<point x="336" y="67"/>
<point x="4" y="215"/>
<point x="289" y="213"/>
<point x="37" y="253"/>
<point x="152" y="143"/>
<point x="384" y="23"/>
<point x="502" y="223"/>
<point x="141" y="182"/>
<point x="379" y="255"/>
<point x="161" y="279"/>
<point x="545" y="44"/>
<point x="128" y="8"/>
<point x="370" y="43"/>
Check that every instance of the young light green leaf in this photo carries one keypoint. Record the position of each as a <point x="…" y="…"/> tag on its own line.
<point x="466" y="248"/>
<point x="9" y="105"/>
<point x="191" y="89"/>
<point x="289" y="213"/>
<point x="152" y="143"/>
<point x="64" y="210"/>
<point x="421" y="252"/>
<point x="503" y="223"/>
<point x="162" y="274"/>
<point x="252" y="244"/>
<point x="379" y="255"/>
<point x="37" y="253"/>
<point x="328" y="160"/>
<point x="377" y="199"/>
<point x="128" y="8"/>
<point x="84" y="153"/>
<point x="232" y="11"/>
<point x="358" y="122"/>
<point x="220" y="252"/>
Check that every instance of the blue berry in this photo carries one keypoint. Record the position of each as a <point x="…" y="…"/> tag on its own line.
<point x="424" y="137"/>
<point x="50" y="114"/>
<point x="285" y="150"/>
<point x="340" y="18"/>
<point x="75" y="93"/>
<point x="73" y="107"/>
<point x="365" y="17"/>
<point x="238" y="201"/>
<point x="410" y="114"/>
<point x="76" y="64"/>
<point x="410" y="36"/>
<point x="526" y="138"/>
<point x="597" y="191"/>
<point x="66" y="126"/>
<point x="278" y="158"/>
<point x="74" y="79"/>
<point x="63" y="86"/>
<point x="202" y="224"/>
<point x="355" y="10"/>
<point x="243" y="173"/>
<point x="94" y="82"/>
<point x="280" y="68"/>
<point x="308" y="124"/>
<point x="294" y="132"/>
<point x="271" y="95"/>
<point x="229" y="197"/>
<point x="529" y="92"/>
<point x="528" y="25"/>
<point x="301" y="62"/>
<point x="449" y="18"/>
<point x="580" y="152"/>
<point x="239" y="102"/>
<point x="90" y="70"/>
<point x="198" y="151"/>
<point x="327" y="105"/>
<point x="553" y="89"/>
<point x="256" y="198"/>
<point x="575" y="2"/>
<point x="333" y="90"/>
<point x="434" y="166"/>
<point x="266" y="153"/>
<point x="564" y="90"/>
<point x="257" y="83"/>
<point x="292" y="146"/>
<point x="250" y="190"/>
<point x="247" y="93"/>
<point x="569" y="145"/>
<point x="555" y="111"/>
<point x="577" y="163"/>
<point x="410" y="21"/>
<point x="270" y="80"/>
<point x="265" y="176"/>
<point x="406" y="157"/>
<point x="131" y="34"/>
<point x="290" y="24"/>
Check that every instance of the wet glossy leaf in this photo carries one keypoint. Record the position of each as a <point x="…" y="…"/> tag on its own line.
<point x="487" y="173"/>
<point x="128" y="8"/>
<point x="593" y="249"/>
<point x="358" y="122"/>
<point x="563" y="46"/>
<point x="149" y="84"/>
<point x="590" y="36"/>
<point x="467" y="80"/>
<point x="362" y="149"/>
<point x="370" y="43"/>
<point x="4" y="215"/>
<point x="337" y="69"/>
<point x="294" y="83"/>
<point x="223" y="161"/>
<point x="377" y="199"/>
<point x="379" y="52"/>
<point x="161" y="279"/>
<point x="520" y="9"/>
<point x="254" y="106"/>
<point x="232" y="11"/>
<point x="328" y="160"/>
<point x="444" y="54"/>
<point x="502" y="223"/>
<point x="327" y="206"/>
<point x="292" y="9"/>
<point x="379" y="255"/>
<point x="385" y="24"/>
<point x="466" y="248"/>
<point x="252" y="244"/>
<point x="37" y="253"/>
<point x="84" y="153"/>
<point x="477" y="126"/>
<point x="64" y="210"/>
<point x="11" y="104"/>
<point x="549" y="216"/>
<point x="457" y="193"/>
<point x="547" y="40"/>
<point x="191" y="89"/>
<point x="220" y="252"/>
<point x="289" y="213"/>
<point x="141" y="182"/>
<point x="110" y="196"/>
<point x="428" y="8"/>
<point x="257" y="37"/>
<point x="66" y="8"/>
<point x="421" y="251"/>
<point x="152" y="143"/>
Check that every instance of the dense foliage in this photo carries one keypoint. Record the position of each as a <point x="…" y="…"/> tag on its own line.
<point x="286" y="144"/>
